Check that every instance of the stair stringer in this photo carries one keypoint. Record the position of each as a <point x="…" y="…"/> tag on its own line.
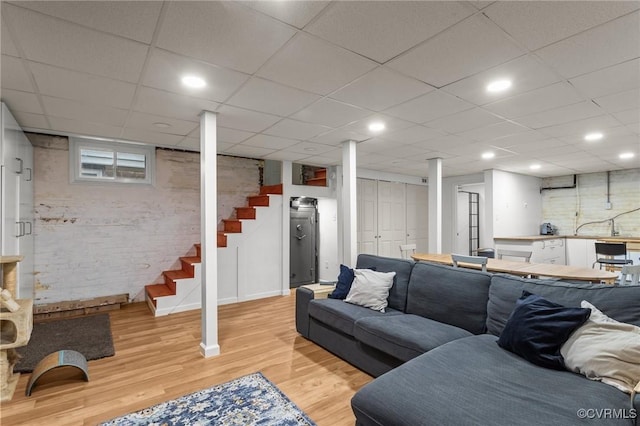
<point x="250" y="267"/>
<point x="188" y="295"/>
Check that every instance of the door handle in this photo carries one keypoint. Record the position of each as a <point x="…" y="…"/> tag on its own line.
<point x="30" y="228"/>
<point x="30" y="174"/>
<point x="300" y="237"/>
<point x="20" y="229"/>
<point x="20" y="170"/>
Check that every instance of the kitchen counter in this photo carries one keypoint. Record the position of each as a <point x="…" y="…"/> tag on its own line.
<point x="611" y="239"/>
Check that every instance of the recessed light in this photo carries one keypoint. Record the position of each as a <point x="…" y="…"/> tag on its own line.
<point x="193" y="81"/>
<point x="310" y="149"/>
<point x="498" y="86"/>
<point x="626" y="155"/>
<point x="376" y="126"/>
<point x="162" y="125"/>
<point x="535" y="166"/>
<point x="594" y="136"/>
<point x="488" y="155"/>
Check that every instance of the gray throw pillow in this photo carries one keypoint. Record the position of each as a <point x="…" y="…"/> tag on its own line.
<point x="370" y="289"/>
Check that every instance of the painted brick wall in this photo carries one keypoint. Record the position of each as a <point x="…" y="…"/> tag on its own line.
<point x="96" y="240"/>
<point x="569" y="208"/>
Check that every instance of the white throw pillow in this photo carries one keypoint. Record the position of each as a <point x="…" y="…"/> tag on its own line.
<point x="605" y="349"/>
<point x="370" y="289"/>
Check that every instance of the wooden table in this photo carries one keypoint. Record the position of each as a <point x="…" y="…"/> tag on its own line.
<point x="525" y="269"/>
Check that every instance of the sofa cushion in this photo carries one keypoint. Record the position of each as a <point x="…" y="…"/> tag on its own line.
<point x="606" y="350"/>
<point x="619" y="302"/>
<point x="537" y="329"/>
<point x="402" y="267"/>
<point x="405" y="336"/>
<point x="341" y="315"/>
<point x="455" y="296"/>
<point x="473" y="381"/>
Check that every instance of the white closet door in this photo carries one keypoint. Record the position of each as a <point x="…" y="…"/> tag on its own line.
<point x="392" y="227"/>
<point x="367" y="195"/>
<point x="417" y="217"/>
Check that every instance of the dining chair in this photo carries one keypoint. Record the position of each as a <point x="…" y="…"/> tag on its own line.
<point x="633" y="272"/>
<point x="405" y="249"/>
<point x="477" y="260"/>
<point x="526" y="255"/>
<point x="609" y="251"/>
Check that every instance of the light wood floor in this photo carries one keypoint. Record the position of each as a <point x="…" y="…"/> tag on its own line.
<point x="158" y="359"/>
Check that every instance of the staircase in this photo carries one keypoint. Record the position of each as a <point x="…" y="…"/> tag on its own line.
<point x="319" y="178"/>
<point x="180" y="289"/>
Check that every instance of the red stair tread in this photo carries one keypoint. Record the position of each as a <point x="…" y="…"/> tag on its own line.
<point x="316" y="182"/>
<point x="158" y="290"/>
<point x="222" y="240"/>
<point x="245" y="212"/>
<point x="177" y="274"/>
<point x="258" y="200"/>
<point x="198" y="249"/>
<point x="320" y="173"/>
<point x="271" y="189"/>
<point x="232" y="226"/>
<point x="191" y="259"/>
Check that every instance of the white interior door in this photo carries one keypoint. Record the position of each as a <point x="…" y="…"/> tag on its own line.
<point x="367" y="195"/>
<point x="392" y="226"/>
<point x="462" y="223"/>
<point x="417" y="215"/>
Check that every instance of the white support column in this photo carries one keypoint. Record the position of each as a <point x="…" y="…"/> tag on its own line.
<point x="208" y="230"/>
<point x="286" y="180"/>
<point x="435" y="205"/>
<point x="349" y="204"/>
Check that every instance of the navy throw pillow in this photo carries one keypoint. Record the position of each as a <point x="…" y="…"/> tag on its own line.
<point x="537" y="328"/>
<point x="345" y="279"/>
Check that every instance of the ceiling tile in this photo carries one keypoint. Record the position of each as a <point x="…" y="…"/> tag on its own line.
<point x="67" y="84"/>
<point x="265" y="96"/>
<point x="33" y="121"/>
<point x="526" y="73"/>
<point x="165" y="71"/>
<point x="391" y="124"/>
<point x="560" y="115"/>
<point x="286" y="156"/>
<point x="610" y="80"/>
<point x="627" y="117"/>
<point x="216" y="32"/>
<point x="296" y="13"/>
<point x="14" y="75"/>
<point x="310" y="148"/>
<point x="597" y="48"/>
<point x="581" y="127"/>
<point x="21" y="101"/>
<point x="622" y="101"/>
<point x="465" y="120"/>
<point x="151" y="137"/>
<point x="296" y="129"/>
<point x="314" y="65"/>
<point x="380" y="89"/>
<point x="158" y="102"/>
<point x="412" y="134"/>
<point x="138" y="120"/>
<point x="55" y="42"/>
<point x="478" y="45"/>
<point x="269" y="142"/>
<point x="494" y="131"/>
<point x="131" y="19"/>
<point x="8" y="47"/>
<point x="338" y="136"/>
<point x="84" y="128"/>
<point x="74" y="110"/>
<point x="528" y="137"/>
<point x="330" y="113"/>
<point x="538" y="147"/>
<point x="428" y="107"/>
<point x="539" y="23"/>
<point x="243" y="119"/>
<point x="193" y="144"/>
<point x="380" y="30"/>
<point x="249" y="151"/>
<point x="554" y="96"/>
<point x="232" y="136"/>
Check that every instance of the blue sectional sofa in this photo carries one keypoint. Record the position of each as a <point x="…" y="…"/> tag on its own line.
<point x="435" y="356"/>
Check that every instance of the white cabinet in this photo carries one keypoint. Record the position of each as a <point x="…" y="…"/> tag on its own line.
<point x="16" y="200"/>
<point x="580" y="252"/>
<point x="542" y="250"/>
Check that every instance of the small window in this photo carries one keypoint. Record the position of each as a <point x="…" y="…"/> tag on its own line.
<point x="103" y="161"/>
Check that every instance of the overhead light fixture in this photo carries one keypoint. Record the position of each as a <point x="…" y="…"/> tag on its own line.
<point x="535" y="166"/>
<point x="593" y="136"/>
<point x="310" y="149"/>
<point x="376" y="126"/>
<point x="162" y="125"/>
<point x="193" y="81"/>
<point x="498" y="86"/>
<point x="626" y="155"/>
<point x="488" y="155"/>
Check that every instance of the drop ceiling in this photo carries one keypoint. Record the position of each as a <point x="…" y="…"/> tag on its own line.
<point x="292" y="80"/>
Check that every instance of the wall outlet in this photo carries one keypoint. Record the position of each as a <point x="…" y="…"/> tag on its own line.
<point x="607" y="205"/>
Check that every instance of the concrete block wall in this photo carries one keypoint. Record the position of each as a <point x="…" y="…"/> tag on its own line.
<point x="569" y="208"/>
<point x="102" y="239"/>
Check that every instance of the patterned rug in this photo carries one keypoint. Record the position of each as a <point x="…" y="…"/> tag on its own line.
<point x="249" y="400"/>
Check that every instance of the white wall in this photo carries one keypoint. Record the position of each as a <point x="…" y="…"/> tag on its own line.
<point x="328" y="264"/>
<point x="516" y="204"/>
<point x="96" y="240"/>
<point x="568" y="208"/>
<point x="449" y="201"/>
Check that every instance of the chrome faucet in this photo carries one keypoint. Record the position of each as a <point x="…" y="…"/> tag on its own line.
<point x="613" y="228"/>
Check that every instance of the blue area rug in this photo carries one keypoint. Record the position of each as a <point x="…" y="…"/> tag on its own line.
<point x="249" y="400"/>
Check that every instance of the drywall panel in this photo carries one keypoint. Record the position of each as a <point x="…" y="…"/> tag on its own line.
<point x="517" y="204"/>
